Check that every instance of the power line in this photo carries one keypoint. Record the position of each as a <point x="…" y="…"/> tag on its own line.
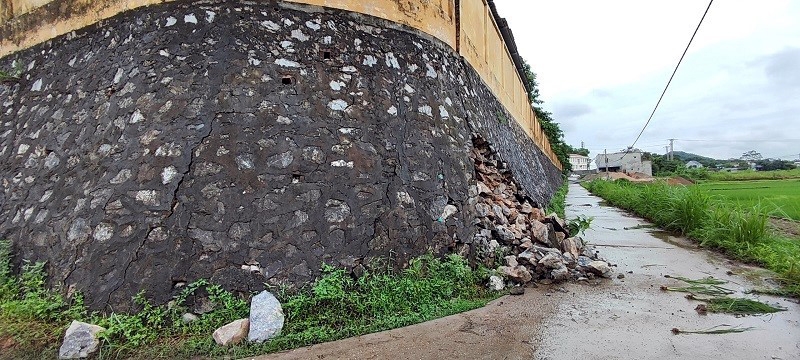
<point x="673" y="75"/>
<point x="741" y="141"/>
<point x="615" y="146"/>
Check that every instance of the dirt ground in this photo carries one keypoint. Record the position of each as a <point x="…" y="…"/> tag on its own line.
<point x="626" y="317"/>
<point x="788" y="227"/>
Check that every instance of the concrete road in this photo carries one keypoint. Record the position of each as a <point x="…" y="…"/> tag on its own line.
<point x="620" y="318"/>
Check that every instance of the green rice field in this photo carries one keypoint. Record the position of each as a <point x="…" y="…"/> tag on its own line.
<point x="779" y="198"/>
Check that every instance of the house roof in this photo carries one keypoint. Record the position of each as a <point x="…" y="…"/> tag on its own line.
<point x="578" y="156"/>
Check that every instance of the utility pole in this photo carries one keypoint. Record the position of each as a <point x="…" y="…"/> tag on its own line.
<point x="666" y="151"/>
<point x="582" y="147"/>
<point x="671" y="156"/>
<point x="605" y="155"/>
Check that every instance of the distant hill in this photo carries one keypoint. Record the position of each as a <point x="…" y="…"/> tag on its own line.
<point x="684" y="156"/>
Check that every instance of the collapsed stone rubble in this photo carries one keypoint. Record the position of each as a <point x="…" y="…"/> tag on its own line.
<point x="514" y="234"/>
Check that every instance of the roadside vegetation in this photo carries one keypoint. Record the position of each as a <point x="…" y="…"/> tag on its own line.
<point x="559" y="201"/>
<point x="740" y="232"/>
<point x="337" y="305"/>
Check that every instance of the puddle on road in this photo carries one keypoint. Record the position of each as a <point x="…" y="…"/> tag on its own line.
<point x="668" y="238"/>
<point x="759" y="277"/>
<point x="641" y="226"/>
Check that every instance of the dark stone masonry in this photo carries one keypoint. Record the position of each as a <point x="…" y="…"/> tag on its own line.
<point x="243" y="143"/>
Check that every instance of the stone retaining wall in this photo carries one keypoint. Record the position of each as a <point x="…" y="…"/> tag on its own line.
<point x="245" y="143"/>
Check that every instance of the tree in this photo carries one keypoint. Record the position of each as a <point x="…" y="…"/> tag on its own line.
<point x="751" y="155"/>
<point x="550" y="128"/>
<point x="662" y="166"/>
<point x="770" y="165"/>
<point x="579" y="151"/>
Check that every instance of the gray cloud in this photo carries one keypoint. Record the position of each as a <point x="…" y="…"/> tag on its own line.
<point x="783" y="67"/>
<point x="566" y="110"/>
<point x="601" y="93"/>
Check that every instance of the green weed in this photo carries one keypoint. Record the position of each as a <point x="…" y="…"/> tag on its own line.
<point x="501" y="118"/>
<point x="32" y="317"/>
<point x="579" y="225"/>
<point x="737" y="306"/>
<point x="13" y="74"/>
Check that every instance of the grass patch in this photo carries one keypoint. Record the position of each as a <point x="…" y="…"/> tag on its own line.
<point x="30" y="316"/>
<point x="741" y="233"/>
<point x="336" y="306"/>
<point x="559" y="201"/>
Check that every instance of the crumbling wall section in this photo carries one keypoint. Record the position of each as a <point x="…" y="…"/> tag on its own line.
<point x="245" y="143"/>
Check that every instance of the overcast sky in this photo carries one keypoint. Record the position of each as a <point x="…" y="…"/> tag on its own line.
<point x="601" y="66"/>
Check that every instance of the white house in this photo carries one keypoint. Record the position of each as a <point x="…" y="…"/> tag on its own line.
<point x="579" y="162"/>
<point x="627" y="162"/>
<point x="693" y="165"/>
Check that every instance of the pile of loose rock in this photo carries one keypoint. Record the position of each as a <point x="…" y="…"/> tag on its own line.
<point x="516" y="234"/>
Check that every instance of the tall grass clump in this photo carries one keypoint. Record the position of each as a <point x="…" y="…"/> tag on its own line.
<point x="688" y="209"/>
<point x="739" y="232"/>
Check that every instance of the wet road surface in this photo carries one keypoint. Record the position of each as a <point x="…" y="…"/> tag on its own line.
<point x="619" y="318"/>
